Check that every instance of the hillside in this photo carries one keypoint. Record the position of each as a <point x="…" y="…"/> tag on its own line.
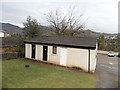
<point x="96" y="34"/>
<point x="10" y="28"/>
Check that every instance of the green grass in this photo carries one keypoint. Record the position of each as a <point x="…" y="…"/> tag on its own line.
<point x="15" y="75"/>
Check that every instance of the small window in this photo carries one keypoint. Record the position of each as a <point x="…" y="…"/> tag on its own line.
<point x="54" y="50"/>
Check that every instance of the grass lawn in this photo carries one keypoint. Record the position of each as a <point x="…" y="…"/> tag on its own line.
<point x="15" y="75"/>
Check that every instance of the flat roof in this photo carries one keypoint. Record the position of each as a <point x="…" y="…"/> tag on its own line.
<point x="67" y="41"/>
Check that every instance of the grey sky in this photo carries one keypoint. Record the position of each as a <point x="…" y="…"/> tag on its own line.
<point x="100" y="15"/>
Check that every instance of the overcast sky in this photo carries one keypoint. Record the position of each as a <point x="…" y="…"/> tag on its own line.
<point x="99" y="15"/>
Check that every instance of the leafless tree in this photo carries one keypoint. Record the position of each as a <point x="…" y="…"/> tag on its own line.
<point x="62" y="24"/>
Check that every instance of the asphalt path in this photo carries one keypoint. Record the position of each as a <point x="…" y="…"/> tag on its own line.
<point x="107" y="71"/>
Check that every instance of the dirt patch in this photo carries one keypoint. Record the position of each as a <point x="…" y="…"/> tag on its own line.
<point x="78" y="71"/>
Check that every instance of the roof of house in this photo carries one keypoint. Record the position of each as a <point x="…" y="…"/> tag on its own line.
<point x="9" y="41"/>
<point x="79" y="42"/>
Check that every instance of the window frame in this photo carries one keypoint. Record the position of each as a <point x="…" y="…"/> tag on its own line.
<point x="54" y="49"/>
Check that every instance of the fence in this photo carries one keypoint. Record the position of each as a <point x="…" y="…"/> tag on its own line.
<point x="105" y="52"/>
<point x="12" y="55"/>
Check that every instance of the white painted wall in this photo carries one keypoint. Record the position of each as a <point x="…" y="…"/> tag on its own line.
<point x="2" y="34"/>
<point x="39" y="52"/>
<point x="93" y="59"/>
<point x="78" y="57"/>
<point x="53" y="58"/>
<point x="63" y="56"/>
<point x="28" y="49"/>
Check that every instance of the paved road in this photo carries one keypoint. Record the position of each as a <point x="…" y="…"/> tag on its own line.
<point x="107" y="71"/>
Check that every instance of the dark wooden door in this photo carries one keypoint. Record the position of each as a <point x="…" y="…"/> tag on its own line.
<point x="33" y="51"/>
<point x="45" y="49"/>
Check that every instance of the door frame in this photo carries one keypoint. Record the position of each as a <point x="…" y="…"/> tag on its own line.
<point x="45" y="53"/>
<point x="33" y="54"/>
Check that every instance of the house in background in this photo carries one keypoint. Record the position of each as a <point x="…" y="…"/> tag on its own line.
<point x="65" y="51"/>
<point x="2" y="33"/>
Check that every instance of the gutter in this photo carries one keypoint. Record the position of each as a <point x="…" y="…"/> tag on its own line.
<point x="64" y="45"/>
